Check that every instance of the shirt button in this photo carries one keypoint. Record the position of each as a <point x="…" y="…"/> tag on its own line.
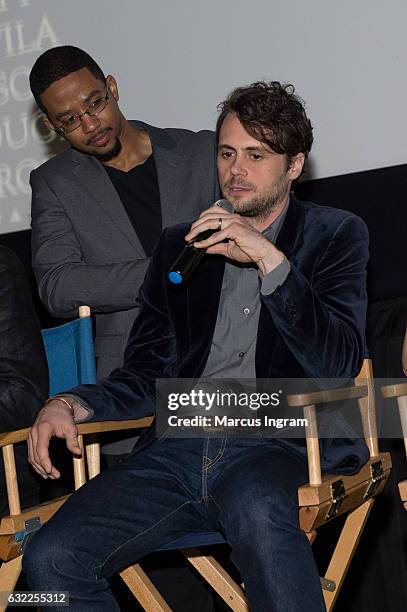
<point x="241" y="354"/>
<point x="246" y="311"/>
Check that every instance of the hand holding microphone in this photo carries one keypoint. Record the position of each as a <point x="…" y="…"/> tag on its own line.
<point x="233" y="236"/>
<point x="190" y="256"/>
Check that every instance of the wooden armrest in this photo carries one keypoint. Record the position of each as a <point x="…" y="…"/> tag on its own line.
<point x="394" y="390"/>
<point x="13" y="437"/>
<point x="102" y="426"/>
<point x="20" y="435"/>
<point x="325" y="396"/>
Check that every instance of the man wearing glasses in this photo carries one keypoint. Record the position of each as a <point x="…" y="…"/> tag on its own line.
<point x="99" y="207"/>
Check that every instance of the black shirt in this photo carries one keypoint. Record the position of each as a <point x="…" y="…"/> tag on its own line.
<point x="140" y="196"/>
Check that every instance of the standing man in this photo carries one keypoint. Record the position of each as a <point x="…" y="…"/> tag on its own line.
<point x="99" y="207"/>
<point x="290" y="277"/>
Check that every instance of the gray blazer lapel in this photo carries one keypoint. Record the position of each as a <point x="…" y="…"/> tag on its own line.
<point x="169" y="163"/>
<point x="95" y="181"/>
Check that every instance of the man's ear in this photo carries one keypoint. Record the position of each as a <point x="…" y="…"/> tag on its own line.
<point x="112" y="86"/>
<point x="47" y="123"/>
<point x="296" y="166"/>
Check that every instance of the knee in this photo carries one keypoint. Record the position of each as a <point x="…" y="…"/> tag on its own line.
<point x="45" y="560"/>
<point x="37" y="558"/>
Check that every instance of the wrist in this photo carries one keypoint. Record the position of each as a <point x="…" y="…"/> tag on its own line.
<point x="78" y="412"/>
<point x="271" y="261"/>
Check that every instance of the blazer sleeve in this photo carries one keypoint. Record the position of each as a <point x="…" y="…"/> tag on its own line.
<point x="23" y="366"/>
<point x="322" y="319"/>
<point x="65" y="279"/>
<point x="129" y="392"/>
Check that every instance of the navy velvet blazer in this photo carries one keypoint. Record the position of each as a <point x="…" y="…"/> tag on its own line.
<point x="312" y="326"/>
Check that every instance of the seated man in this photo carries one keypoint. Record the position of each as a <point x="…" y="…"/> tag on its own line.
<point x="280" y="293"/>
<point x="23" y="369"/>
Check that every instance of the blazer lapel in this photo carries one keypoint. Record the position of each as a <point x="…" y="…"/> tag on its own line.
<point x="95" y="181"/>
<point x="168" y="163"/>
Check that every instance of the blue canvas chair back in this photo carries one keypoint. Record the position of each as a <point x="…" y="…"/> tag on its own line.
<point x="70" y="355"/>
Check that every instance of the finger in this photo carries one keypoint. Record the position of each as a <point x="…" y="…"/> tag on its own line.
<point x="42" y="448"/>
<point x="33" y="457"/>
<point x="73" y="445"/>
<point x="216" y="238"/>
<point x="213" y="213"/>
<point x="210" y="223"/>
<point x="218" y="249"/>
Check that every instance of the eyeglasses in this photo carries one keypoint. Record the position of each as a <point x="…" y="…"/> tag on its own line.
<point x="74" y="121"/>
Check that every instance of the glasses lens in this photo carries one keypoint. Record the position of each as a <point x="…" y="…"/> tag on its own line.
<point x="70" y="125"/>
<point x="94" y="108"/>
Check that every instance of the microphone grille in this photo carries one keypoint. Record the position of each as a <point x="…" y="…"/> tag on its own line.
<point x="225" y="205"/>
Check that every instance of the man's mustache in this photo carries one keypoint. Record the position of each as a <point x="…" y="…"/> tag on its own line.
<point x="234" y="183"/>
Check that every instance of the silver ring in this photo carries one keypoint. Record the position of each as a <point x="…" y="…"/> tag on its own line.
<point x="220" y="223"/>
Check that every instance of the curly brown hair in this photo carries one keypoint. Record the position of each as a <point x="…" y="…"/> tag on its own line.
<point x="271" y="113"/>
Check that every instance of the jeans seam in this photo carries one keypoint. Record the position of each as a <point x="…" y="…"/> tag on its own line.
<point x="97" y="567"/>
<point x="219" y="456"/>
<point x="204" y="472"/>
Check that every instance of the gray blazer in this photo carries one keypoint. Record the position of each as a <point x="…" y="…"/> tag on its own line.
<point x="85" y="250"/>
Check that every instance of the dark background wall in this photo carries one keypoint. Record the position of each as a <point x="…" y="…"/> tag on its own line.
<point x="378" y="196"/>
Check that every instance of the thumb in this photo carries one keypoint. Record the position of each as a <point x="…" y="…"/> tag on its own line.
<point x="72" y="443"/>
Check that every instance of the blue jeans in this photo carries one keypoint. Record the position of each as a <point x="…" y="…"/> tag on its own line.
<point x="245" y="488"/>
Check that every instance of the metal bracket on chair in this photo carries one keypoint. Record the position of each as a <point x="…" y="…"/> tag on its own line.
<point x="30" y="527"/>
<point x="337" y="495"/>
<point x="376" y="476"/>
<point x="328" y="585"/>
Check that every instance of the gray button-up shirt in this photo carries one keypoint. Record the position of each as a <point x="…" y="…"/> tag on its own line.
<point x="233" y="349"/>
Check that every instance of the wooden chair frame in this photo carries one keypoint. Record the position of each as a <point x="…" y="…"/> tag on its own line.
<point x="324" y="498"/>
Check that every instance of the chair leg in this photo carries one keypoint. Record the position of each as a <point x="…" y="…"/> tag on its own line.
<point x="218" y="579"/>
<point x="9" y="574"/>
<point x="344" y="550"/>
<point x="143" y="589"/>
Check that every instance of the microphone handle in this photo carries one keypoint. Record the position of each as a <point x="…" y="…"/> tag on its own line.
<point x="187" y="261"/>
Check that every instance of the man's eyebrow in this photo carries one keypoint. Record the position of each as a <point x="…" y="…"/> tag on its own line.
<point x="259" y="147"/>
<point x="225" y="146"/>
<point x="88" y="98"/>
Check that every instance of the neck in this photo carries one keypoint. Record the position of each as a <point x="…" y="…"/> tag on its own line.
<point x="136" y="148"/>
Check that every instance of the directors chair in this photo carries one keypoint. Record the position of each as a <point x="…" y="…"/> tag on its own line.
<point x="71" y="361"/>
<point x="324" y="498"/>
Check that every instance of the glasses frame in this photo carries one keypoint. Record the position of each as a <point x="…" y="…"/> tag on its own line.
<point x="62" y="131"/>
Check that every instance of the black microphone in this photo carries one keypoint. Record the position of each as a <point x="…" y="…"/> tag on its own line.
<point x="190" y="256"/>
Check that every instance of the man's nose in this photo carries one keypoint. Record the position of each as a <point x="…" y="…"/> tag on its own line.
<point x="89" y="123"/>
<point x="238" y="168"/>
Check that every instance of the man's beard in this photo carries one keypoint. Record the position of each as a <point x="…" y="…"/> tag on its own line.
<point x="109" y="155"/>
<point x="260" y="207"/>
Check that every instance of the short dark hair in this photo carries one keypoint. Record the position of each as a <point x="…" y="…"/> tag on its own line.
<point x="57" y="63"/>
<point x="271" y="113"/>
